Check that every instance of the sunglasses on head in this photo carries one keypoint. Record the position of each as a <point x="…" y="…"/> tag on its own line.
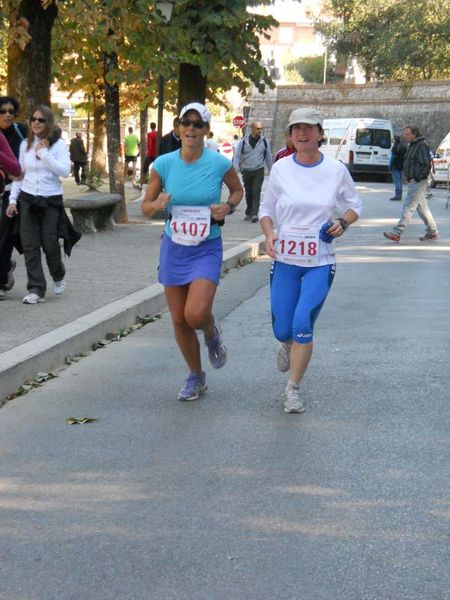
<point x="37" y="120"/>
<point x="7" y="111"/>
<point x="198" y="124"/>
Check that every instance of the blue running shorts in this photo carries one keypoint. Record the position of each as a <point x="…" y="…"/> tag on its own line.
<point x="297" y="295"/>
<point x="180" y="265"/>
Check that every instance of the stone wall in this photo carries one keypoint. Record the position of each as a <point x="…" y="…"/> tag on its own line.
<point x="423" y="103"/>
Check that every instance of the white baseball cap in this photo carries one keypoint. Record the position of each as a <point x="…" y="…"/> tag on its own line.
<point x="204" y="113"/>
<point x="310" y="116"/>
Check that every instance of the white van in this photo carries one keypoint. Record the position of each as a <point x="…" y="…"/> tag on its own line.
<point x="362" y="144"/>
<point x="441" y="163"/>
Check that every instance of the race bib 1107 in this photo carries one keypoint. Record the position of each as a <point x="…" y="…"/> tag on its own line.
<point x="190" y="225"/>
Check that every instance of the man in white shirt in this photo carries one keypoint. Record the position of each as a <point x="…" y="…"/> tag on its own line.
<point x="211" y="143"/>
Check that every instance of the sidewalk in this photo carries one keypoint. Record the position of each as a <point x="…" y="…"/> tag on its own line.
<point x="111" y="278"/>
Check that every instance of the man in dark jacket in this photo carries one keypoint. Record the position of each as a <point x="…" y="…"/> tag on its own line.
<point x="171" y="141"/>
<point x="14" y="133"/>
<point x="396" y="166"/>
<point x="78" y="156"/>
<point x="416" y="169"/>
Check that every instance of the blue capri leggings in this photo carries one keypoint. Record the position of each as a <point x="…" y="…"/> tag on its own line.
<point x="297" y="295"/>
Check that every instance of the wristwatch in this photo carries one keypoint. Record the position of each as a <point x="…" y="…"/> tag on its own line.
<point x="231" y="206"/>
<point x="344" y="223"/>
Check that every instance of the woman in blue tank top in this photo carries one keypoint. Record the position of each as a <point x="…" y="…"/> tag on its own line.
<point x="188" y="183"/>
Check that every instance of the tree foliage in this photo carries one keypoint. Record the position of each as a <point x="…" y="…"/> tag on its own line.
<point x="391" y="39"/>
<point x="222" y="39"/>
<point x="308" y="69"/>
<point x="218" y="36"/>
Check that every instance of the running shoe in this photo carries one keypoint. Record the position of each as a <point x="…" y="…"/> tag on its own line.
<point x="429" y="237"/>
<point x="216" y="349"/>
<point x="292" y="401"/>
<point x="10" y="280"/>
<point x="193" y="388"/>
<point x="390" y="235"/>
<point x="58" y="287"/>
<point x="284" y="357"/>
<point x="32" y="298"/>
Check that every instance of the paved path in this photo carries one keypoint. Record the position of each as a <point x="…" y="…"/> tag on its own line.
<point x="229" y="498"/>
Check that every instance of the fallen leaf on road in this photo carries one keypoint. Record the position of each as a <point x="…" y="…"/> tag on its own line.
<point x="82" y="421"/>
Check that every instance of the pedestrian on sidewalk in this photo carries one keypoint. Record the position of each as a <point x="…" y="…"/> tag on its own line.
<point x="151" y="141"/>
<point x="416" y="168"/>
<point x="251" y="154"/>
<point x="9" y="165"/>
<point x="171" y="141"/>
<point x="131" y="147"/>
<point x="78" y="156"/>
<point x="188" y="183"/>
<point x="211" y="143"/>
<point x="396" y="166"/>
<point x="9" y="228"/>
<point x="44" y="159"/>
<point x="303" y="194"/>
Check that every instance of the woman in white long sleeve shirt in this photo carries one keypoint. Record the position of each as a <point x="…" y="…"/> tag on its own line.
<point x="44" y="159"/>
<point x="304" y="193"/>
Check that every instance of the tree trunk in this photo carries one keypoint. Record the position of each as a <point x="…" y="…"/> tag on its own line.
<point x="116" y="184"/>
<point x="191" y="85"/>
<point x="98" y="161"/>
<point x="143" y="126"/>
<point x="29" y="70"/>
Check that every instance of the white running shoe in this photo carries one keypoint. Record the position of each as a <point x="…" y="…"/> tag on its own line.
<point x="284" y="357"/>
<point x="292" y="401"/>
<point x="32" y="298"/>
<point x="59" y="286"/>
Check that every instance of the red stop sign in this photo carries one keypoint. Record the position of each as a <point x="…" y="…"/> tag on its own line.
<point x="239" y="121"/>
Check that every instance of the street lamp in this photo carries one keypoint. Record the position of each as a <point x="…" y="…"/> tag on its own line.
<point x="165" y="7"/>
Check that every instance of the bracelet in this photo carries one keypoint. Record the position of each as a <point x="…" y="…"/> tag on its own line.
<point x="344" y="223"/>
<point x="231" y="206"/>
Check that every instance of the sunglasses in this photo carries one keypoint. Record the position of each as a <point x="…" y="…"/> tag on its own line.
<point x="7" y="111"/>
<point x="37" y="120"/>
<point x="197" y="124"/>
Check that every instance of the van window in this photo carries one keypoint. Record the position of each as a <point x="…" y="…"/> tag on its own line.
<point x="374" y="137"/>
<point x="382" y="138"/>
<point x="336" y="136"/>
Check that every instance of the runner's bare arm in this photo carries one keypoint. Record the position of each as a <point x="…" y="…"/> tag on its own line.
<point x="155" y="199"/>
<point x="233" y="183"/>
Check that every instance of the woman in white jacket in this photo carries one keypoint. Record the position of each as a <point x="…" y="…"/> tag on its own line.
<point x="44" y="159"/>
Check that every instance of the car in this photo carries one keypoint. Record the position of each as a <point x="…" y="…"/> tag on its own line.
<point x="440" y="173"/>
<point x="362" y="144"/>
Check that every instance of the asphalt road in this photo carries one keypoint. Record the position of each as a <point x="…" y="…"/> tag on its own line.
<point x="229" y="498"/>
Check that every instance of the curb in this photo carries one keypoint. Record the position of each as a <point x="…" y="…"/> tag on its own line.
<point x="49" y="351"/>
